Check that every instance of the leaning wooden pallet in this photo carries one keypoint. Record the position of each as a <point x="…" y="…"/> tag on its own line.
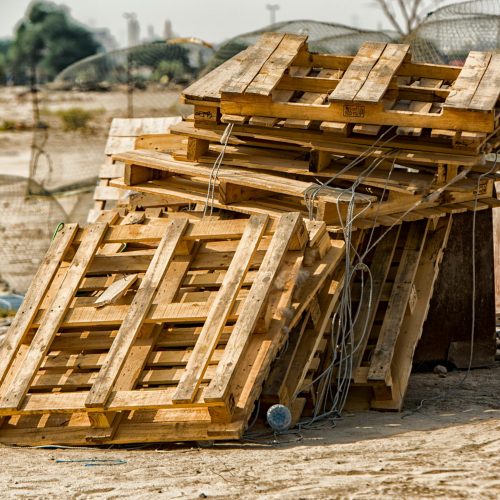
<point x="139" y="322"/>
<point x="404" y="267"/>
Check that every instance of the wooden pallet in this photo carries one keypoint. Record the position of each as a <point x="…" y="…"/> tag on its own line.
<point x="247" y="191"/>
<point x="123" y="135"/>
<point x="384" y="196"/>
<point x="140" y="329"/>
<point x="404" y="267"/>
<point x="279" y="80"/>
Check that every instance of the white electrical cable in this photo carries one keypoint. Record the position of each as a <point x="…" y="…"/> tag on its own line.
<point x="210" y="198"/>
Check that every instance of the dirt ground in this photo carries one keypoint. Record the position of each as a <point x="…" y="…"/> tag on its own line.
<point x="450" y="448"/>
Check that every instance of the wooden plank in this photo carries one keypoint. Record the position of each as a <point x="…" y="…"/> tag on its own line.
<point x="205" y="230"/>
<point x="467" y="83"/>
<point x="93" y="361"/>
<point x="119" y="144"/>
<point x="255" y="57"/>
<point x="380" y="366"/>
<point x="379" y="268"/>
<point x="220" y="310"/>
<point x="274" y="68"/>
<point x="107" y="193"/>
<point x="264" y="347"/>
<point x="411" y="329"/>
<point x="133" y="127"/>
<point x="486" y="96"/>
<point x="75" y="380"/>
<point x="116" y="290"/>
<point x="358" y="71"/>
<point x="34" y="297"/>
<point x="253" y="306"/>
<point x="251" y="179"/>
<point x="69" y="402"/>
<point x="208" y="87"/>
<point x="111" y="171"/>
<point x="379" y="78"/>
<point x="136" y="314"/>
<point x="12" y="397"/>
<point x="453" y="119"/>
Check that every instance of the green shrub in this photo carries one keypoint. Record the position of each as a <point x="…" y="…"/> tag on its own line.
<point x="7" y="125"/>
<point x="75" y="119"/>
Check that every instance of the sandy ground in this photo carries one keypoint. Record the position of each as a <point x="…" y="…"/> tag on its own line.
<point x="450" y="448"/>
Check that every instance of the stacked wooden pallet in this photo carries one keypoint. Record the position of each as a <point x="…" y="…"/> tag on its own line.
<point x="412" y="136"/>
<point x="303" y="186"/>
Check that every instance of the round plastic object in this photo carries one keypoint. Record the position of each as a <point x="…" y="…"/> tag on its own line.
<point x="279" y="418"/>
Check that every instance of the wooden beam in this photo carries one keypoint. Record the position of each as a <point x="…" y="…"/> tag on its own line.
<point x="34" y="297"/>
<point x="411" y="329"/>
<point x="380" y="366"/>
<point x="253" y="306"/>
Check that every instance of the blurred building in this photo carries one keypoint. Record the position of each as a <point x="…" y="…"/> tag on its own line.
<point x="168" y="32"/>
<point x="133" y="30"/>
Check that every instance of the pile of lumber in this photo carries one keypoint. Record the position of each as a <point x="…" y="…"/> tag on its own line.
<point x="411" y="136"/>
<point x="306" y="192"/>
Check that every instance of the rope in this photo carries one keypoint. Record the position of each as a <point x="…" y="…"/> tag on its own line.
<point x="92" y="462"/>
<point x="210" y="198"/>
<point x="311" y="193"/>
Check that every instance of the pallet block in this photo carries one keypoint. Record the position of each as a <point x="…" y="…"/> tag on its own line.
<point x="142" y="329"/>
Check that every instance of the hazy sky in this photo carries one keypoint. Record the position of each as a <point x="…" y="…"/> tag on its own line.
<point x="211" y="20"/>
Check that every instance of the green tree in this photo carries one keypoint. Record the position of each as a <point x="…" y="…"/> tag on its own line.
<point x="4" y="48"/>
<point x="46" y="41"/>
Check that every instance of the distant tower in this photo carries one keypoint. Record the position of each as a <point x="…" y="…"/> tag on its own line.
<point x="168" y="34"/>
<point x="272" y="8"/>
<point x="133" y="29"/>
<point x="151" y="33"/>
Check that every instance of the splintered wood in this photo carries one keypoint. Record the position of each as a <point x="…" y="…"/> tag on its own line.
<point x="157" y="331"/>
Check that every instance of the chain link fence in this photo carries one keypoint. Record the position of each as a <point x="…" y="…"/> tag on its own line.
<point x="448" y="34"/>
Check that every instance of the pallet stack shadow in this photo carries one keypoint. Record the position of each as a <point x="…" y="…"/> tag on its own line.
<point x="170" y="318"/>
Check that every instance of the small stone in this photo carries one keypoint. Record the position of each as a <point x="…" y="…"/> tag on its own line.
<point x="203" y="495"/>
<point x="440" y="370"/>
